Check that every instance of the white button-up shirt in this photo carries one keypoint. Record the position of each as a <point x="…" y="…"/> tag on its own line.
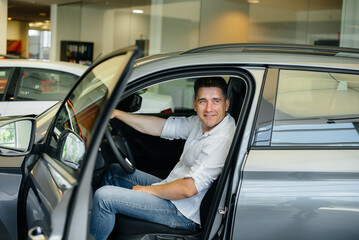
<point x="202" y="159"/>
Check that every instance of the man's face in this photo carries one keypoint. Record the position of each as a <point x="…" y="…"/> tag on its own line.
<point x="210" y="106"/>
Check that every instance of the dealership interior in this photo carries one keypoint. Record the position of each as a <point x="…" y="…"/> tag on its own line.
<point x="265" y="132"/>
<point x="52" y="29"/>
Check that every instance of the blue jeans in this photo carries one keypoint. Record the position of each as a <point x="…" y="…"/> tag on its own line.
<point x="116" y="196"/>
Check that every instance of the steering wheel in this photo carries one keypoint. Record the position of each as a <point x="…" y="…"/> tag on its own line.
<point x="121" y="150"/>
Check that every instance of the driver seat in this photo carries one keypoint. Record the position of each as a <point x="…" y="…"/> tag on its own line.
<point x="126" y="226"/>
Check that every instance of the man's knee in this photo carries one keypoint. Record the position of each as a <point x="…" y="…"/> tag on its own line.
<point x="112" y="171"/>
<point x="116" y="169"/>
<point x="101" y="195"/>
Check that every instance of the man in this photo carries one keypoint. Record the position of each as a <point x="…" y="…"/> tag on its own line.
<point x="175" y="201"/>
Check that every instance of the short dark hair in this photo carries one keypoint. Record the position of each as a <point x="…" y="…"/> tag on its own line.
<point x="211" y="82"/>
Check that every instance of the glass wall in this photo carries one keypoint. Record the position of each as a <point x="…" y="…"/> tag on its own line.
<point x="175" y="25"/>
<point x="299" y="22"/>
<point x="39" y="44"/>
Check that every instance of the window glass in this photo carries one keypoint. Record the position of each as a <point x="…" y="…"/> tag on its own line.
<point x="168" y="97"/>
<point x="5" y="75"/>
<point x="76" y="119"/>
<point x="316" y="108"/>
<point x="45" y="85"/>
<point x="264" y="125"/>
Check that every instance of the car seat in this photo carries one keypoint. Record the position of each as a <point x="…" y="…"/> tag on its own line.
<point x="128" y="226"/>
<point x="236" y="94"/>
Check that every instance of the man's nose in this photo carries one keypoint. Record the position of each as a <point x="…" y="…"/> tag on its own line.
<point x="209" y="107"/>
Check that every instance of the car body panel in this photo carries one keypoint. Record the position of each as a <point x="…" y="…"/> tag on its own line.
<point x="76" y="69"/>
<point x="299" y="194"/>
<point x="43" y="201"/>
<point x="246" y="59"/>
<point x="26" y="107"/>
<point x="10" y="179"/>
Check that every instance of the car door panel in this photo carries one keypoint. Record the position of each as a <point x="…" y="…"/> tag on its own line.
<point x="299" y="194"/>
<point x="9" y="185"/>
<point x="292" y="185"/>
<point x="10" y="178"/>
<point x="51" y="184"/>
<point x="36" y="213"/>
<point x="53" y="179"/>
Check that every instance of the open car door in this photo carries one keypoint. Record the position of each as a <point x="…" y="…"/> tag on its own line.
<point x="56" y="192"/>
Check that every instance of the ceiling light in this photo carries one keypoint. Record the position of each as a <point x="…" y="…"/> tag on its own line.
<point x="253" y="1"/>
<point x="9" y="18"/>
<point x="138" y="11"/>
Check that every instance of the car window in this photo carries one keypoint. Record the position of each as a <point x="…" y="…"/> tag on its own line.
<point x="44" y="84"/>
<point x="167" y="97"/>
<point x="174" y="96"/>
<point x="5" y="75"/>
<point x="316" y="108"/>
<point x="80" y="111"/>
<point x="264" y="123"/>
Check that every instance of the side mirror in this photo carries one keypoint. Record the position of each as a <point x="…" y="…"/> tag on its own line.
<point x="17" y="136"/>
<point x="130" y="104"/>
<point x="72" y="149"/>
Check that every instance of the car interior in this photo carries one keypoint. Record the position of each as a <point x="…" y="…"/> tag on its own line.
<point x="155" y="155"/>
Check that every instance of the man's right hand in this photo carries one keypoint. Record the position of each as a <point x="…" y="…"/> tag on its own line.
<point x="116" y="113"/>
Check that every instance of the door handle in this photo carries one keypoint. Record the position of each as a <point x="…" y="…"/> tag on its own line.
<point x="36" y="233"/>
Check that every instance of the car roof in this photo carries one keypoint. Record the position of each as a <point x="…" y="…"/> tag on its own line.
<point x="253" y="55"/>
<point x="73" y="68"/>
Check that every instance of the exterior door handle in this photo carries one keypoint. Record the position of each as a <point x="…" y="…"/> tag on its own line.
<point x="36" y="233"/>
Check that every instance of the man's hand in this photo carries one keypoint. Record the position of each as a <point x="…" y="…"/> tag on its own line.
<point x="116" y="114"/>
<point x="179" y="189"/>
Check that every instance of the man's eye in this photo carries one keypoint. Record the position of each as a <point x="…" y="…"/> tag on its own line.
<point x="202" y="102"/>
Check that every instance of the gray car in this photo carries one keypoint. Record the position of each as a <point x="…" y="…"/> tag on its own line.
<point x="292" y="171"/>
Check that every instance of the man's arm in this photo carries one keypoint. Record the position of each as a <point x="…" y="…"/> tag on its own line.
<point x="179" y="189"/>
<point x="146" y="124"/>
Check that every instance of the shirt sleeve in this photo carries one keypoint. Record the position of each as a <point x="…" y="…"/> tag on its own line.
<point x="209" y="163"/>
<point x="177" y="128"/>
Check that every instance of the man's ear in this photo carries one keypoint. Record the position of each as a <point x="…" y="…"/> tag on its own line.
<point x="194" y="105"/>
<point x="227" y="104"/>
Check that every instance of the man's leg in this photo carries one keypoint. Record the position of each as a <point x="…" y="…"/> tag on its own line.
<point x="119" y="198"/>
<point x="116" y="176"/>
<point x="109" y="200"/>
